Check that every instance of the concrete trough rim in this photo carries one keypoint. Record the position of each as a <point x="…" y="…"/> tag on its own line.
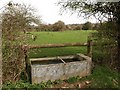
<point x="62" y="57"/>
<point x="61" y="63"/>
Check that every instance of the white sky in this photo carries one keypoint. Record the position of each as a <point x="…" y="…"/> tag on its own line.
<point x="49" y="11"/>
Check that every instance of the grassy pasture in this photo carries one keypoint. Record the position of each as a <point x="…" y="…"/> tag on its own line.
<point x="58" y="38"/>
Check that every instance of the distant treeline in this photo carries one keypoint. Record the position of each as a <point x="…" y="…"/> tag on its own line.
<point x="60" y="26"/>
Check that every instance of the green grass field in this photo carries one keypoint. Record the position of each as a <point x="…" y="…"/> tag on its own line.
<point x="58" y="38"/>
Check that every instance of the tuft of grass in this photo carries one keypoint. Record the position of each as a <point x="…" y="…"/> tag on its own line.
<point x="73" y="79"/>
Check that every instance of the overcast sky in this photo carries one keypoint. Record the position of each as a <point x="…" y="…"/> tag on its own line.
<point x="49" y="11"/>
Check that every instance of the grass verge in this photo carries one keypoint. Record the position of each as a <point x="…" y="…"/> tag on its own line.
<point x="101" y="77"/>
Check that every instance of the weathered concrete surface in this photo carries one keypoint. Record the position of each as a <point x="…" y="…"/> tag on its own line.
<point x="61" y="70"/>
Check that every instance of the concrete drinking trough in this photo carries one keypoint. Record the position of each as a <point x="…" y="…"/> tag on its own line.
<point x="62" y="67"/>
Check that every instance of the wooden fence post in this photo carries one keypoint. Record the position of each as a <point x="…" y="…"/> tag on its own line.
<point x="27" y="71"/>
<point x="27" y="63"/>
<point x="89" y="46"/>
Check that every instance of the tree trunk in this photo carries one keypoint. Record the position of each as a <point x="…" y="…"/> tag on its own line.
<point x="118" y="42"/>
<point x="117" y="15"/>
<point x="118" y="53"/>
<point x="0" y="59"/>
